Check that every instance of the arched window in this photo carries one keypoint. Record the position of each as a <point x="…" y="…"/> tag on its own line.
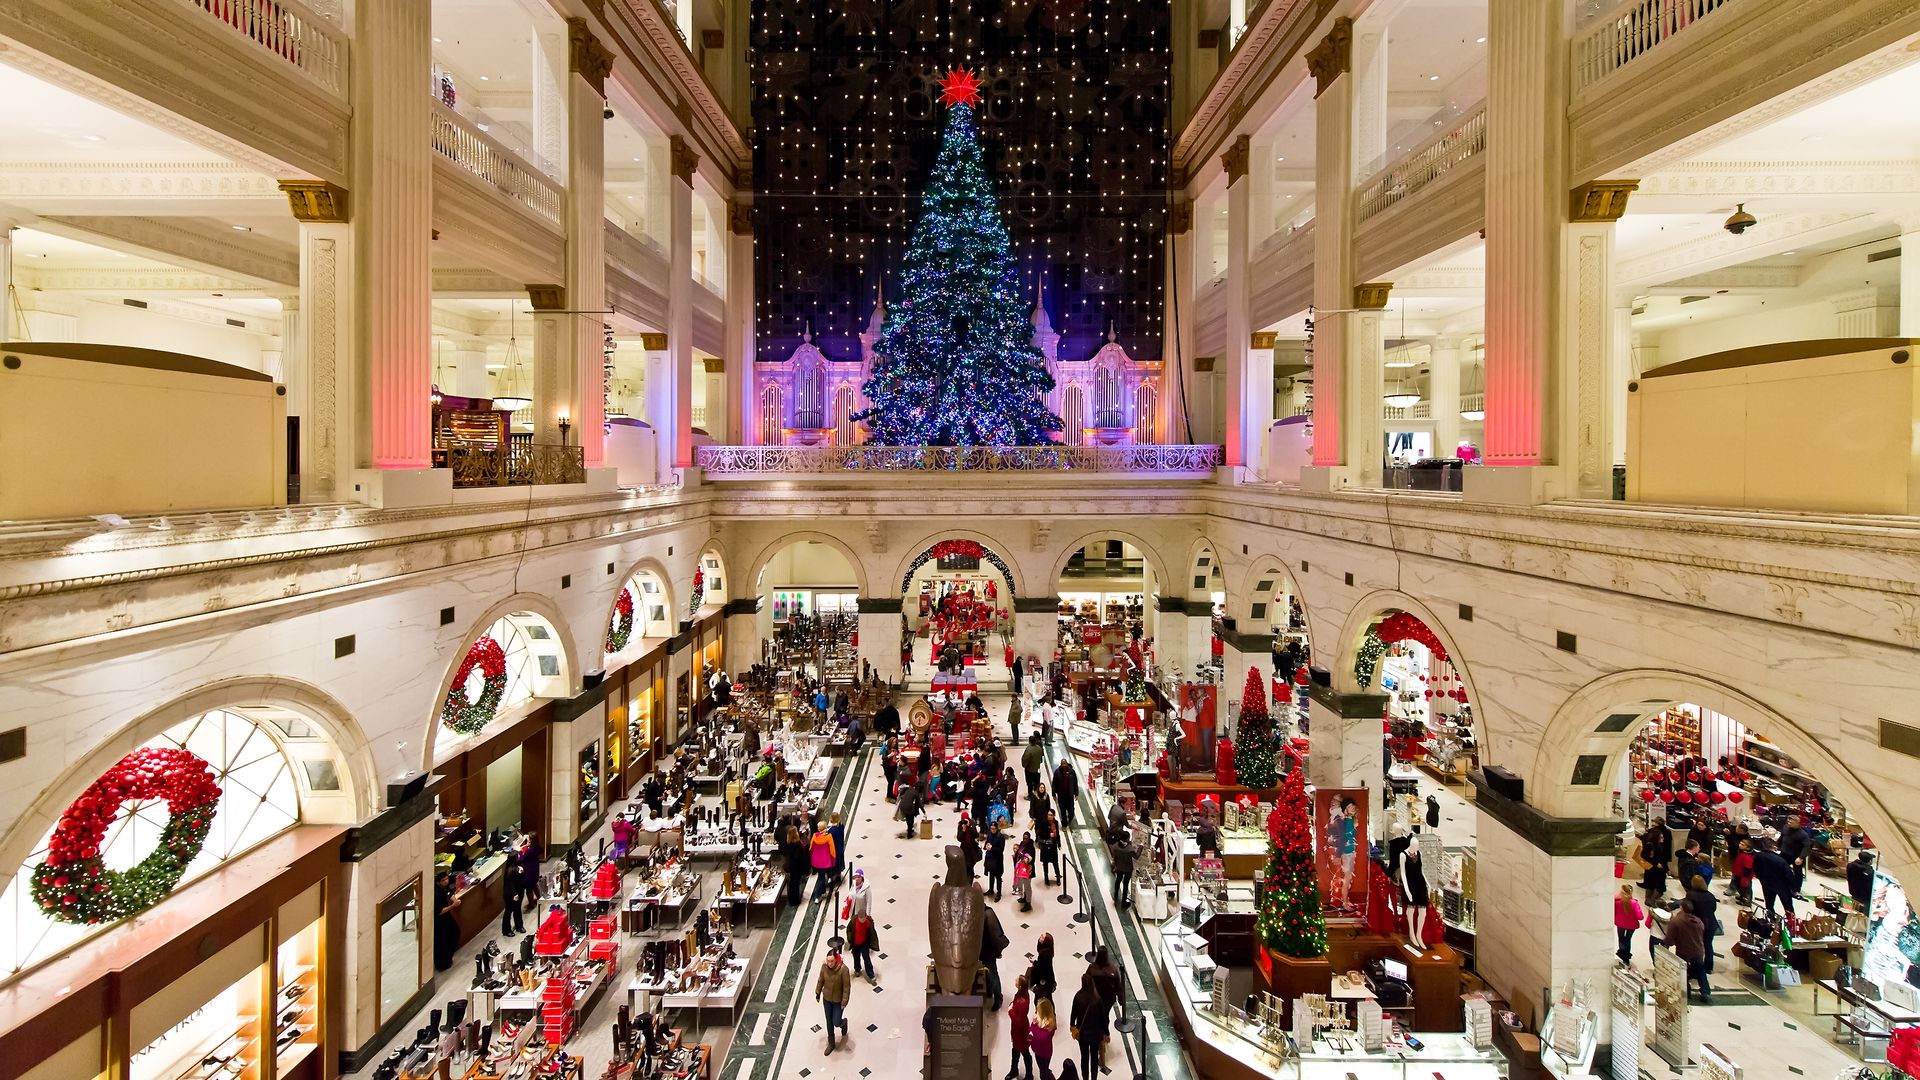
<point x="1146" y="415"/>
<point x="843" y="416"/>
<point x="259" y="799"/>
<point x="770" y="418"/>
<point x="1073" y="410"/>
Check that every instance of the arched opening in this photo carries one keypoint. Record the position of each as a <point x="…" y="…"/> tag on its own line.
<point x="265" y="764"/>
<point x="771" y="422"/>
<point x="957" y="596"/>
<point x="809" y="590"/>
<point x="1277" y="617"/>
<point x="1105" y="632"/>
<point x="1429" y="716"/>
<point x="710" y="584"/>
<point x="642" y="614"/>
<point x="518" y="657"/>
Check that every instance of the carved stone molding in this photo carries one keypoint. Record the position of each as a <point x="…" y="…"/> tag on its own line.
<point x="1180" y="220"/>
<point x="1264" y="339"/>
<point x="1600" y="200"/>
<point x="667" y="68"/>
<point x="87" y="180"/>
<point x="1709" y="252"/>
<point x="653" y="342"/>
<point x="1236" y="157"/>
<point x="1735" y="180"/>
<point x="316" y="201"/>
<point x="876" y="537"/>
<point x="739" y="217"/>
<point x="547" y="297"/>
<point x="1333" y="57"/>
<point x="685" y="161"/>
<point x="246" y="255"/>
<point x="1372" y="295"/>
<point x="586" y="57"/>
<point x="106" y="279"/>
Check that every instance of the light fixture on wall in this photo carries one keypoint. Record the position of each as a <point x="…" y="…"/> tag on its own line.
<point x="512" y="402"/>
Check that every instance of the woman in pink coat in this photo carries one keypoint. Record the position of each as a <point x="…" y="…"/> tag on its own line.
<point x="824" y="856"/>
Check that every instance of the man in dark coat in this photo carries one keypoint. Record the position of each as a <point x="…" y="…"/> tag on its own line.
<point x="1775" y="878"/>
<point x="1066" y="790"/>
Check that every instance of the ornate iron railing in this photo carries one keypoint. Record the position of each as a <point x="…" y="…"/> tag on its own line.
<point x="518" y="465"/>
<point x="289" y="30"/>
<point x="1440" y="155"/>
<point x="458" y="140"/>
<point x="1629" y="30"/>
<point x="746" y="462"/>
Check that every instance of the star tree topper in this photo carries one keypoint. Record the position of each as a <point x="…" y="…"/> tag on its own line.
<point x="960" y="87"/>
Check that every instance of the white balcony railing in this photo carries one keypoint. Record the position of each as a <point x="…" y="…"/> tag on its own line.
<point x="1629" y="30"/>
<point x="459" y="141"/>
<point x="1428" y="162"/>
<point x="289" y="30"/>
<point x="750" y="462"/>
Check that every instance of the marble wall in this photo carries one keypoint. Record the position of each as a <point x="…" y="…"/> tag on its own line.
<point x="1543" y="919"/>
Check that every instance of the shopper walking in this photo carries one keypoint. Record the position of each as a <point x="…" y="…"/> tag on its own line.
<point x="822" y="854"/>
<point x="1019" y="1029"/>
<point x="1047" y="839"/>
<point x="1023" y="873"/>
<point x="1627" y="917"/>
<point x="1066" y="789"/>
<point x="1032" y="760"/>
<point x="1795" y="842"/>
<point x="1040" y="970"/>
<point x="1656" y="847"/>
<point x="993" y="942"/>
<point x="1740" y="878"/>
<point x="1686" y="936"/>
<point x="1775" y="878"/>
<point x="833" y="989"/>
<point x="1089" y="1021"/>
<point x="1040" y="1036"/>
<point x="910" y="800"/>
<point x="1122" y="873"/>
<point x="996" y="861"/>
<point x="1860" y="881"/>
<point x="969" y="847"/>
<point x="1039" y="803"/>
<point x="857" y="913"/>
<point x="794" y="847"/>
<point x="1106" y="977"/>
<point x="838" y="834"/>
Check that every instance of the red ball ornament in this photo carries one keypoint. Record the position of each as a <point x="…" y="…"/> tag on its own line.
<point x="1738" y="796"/>
<point x="1666" y="796"/>
<point x="1647" y="795"/>
<point x="1718" y="797"/>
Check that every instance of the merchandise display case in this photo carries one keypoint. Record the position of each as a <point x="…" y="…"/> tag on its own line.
<point x="297" y="1014"/>
<point x="221" y="1040"/>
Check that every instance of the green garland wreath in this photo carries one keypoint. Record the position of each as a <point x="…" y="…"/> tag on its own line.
<point x="467" y="717"/>
<point x="620" y="627"/>
<point x="73" y="884"/>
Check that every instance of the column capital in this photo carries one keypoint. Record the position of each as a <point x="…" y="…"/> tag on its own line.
<point x="316" y="201"/>
<point x="587" y="57"/>
<point x="1600" y="201"/>
<point x="1180" y="220"/>
<point x="1236" y="157"/>
<point x="1333" y="57"/>
<point x="1035" y="605"/>
<point x="739" y="217"/>
<point x="1263" y="339"/>
<point x="1371" y="296"/>
<point x="653" y="342"/>
<point x="547" y="297"/>
<point x="1550" y="834"/>
<point x="685" y="161"/>
<point x="714" y="365"/>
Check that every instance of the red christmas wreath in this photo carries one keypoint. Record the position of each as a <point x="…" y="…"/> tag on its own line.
<point x="1401" y="626"/>
<point x="967" y="549"/>
<point x="620" y="626"/>
<point x="699" y="592"/>
<point x="73" y="885"/>
<point x="467" y="716"/>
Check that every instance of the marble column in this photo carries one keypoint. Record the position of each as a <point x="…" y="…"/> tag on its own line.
<point x="10" y="328"/>
<point x="1624" y="371"/>
<point x="1545" y="893"/>
<point x="1331" y="64"/>
<point x="1189" y="409"/>
<point x="388" y="851"/>
<point x="1256" y="405"/>
<point x="743" y="634"/>
<point x="554" y="392"/>
<point x="1169" y="633"/>
<point x="677" y="444"/>
<point x="588" y="64"/>
<point x="392" y="236"/>
<point x="1369" y="98"/>
<point x="1241" y="652"/>
<point x="1443" y="395"/>
<point x="1346" y="744"/>
<point x="1526" y="210"/>
<point x="664" y="386"/>
<point x="322" y="338"/>
<point x="1584" y="365"/>
<point x="465" y="374"/>
<point x="1363" y="368"/>
<point x="1910" y="283"/>
<point x="739" y="356"/>
<point x="1243" y="442"/>
<point x="880" y="625"/>
<point x="1035" y="626"/>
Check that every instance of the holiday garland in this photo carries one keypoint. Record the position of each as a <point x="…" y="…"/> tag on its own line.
<point x="620" y="626"/>
<point x="1290" y="920"/>
<point x="73" y="885"/>
<point x="465" y="716"/>
<point x="1371" y="650"/>
<point x="964" y="549"/>
<point x="1255" y="752"/>
<point x="699" y="592"/>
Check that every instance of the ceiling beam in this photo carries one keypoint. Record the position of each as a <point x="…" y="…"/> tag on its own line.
<point x="1696" y="186"/>
<point x="189" y="243"/>
<point x="139" y="188"/>
<point x="1714" y="251"/>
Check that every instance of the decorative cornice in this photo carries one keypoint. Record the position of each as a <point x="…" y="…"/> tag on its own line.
<point x="586" y="57"/>
<point x="1333" y="57"/>
<point x="1263" y="339"/>
<point x="685" y="161"/>
<point x="547" y="297"/>
<point x="1372" y="296"/>
<point x="183" y="240"/>
<point x="1710" y="251"/>
<point x="654" y="44"/>
<point x="1599" y="201"/>
<point x="1234" y="160"/>
<point x="713" y="365"/>
<point x="316" y="201"/>
<point x="107" y="279"/>
<point x="1276" y="34"/>
<point x="1737" y="180"/>
<point x="110" y="180"/>
<point x="1357" y="706"/>
<point x="1246" y="641"/>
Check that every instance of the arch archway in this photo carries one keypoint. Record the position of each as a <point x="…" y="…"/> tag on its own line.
<point x="715" y="581"/>
<point x="1343" y="654"/>
<point x="1148" y="552"/>
<point x="1206" y="571"/>
<point x="540" y="662"/>
<point x="283" y="752"/>
<point x="767" y="554"/>
<point x="641" y="609"/>
<point x="920" y="551"/>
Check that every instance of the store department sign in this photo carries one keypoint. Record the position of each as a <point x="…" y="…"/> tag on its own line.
<point x="1669" y="1007"/>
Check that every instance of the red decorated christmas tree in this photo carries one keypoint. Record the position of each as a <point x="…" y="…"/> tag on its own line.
<point x="1256" y="756"/>
<point x="1290" y="919"/>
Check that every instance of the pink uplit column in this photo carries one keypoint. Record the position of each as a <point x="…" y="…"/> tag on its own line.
<point x="1526" y="209"/>
<point x="678" y="446"/>
<point x="739" y="333"/>
<point x="1239" y="441"/>
<point x="392" y="209"/>
<point x="588" y="64"/>
<point x="1331" y="64"/>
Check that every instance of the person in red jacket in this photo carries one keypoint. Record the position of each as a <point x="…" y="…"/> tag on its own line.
<point x="1742" y="875"/>
<point x="1019" y="1030"/>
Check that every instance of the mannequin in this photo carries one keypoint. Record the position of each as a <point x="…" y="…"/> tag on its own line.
<point x="1413" y="890"/>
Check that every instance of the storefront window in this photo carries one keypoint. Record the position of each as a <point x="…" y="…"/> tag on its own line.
<point x="259" y="799"/>
<point x="399" y="948"/>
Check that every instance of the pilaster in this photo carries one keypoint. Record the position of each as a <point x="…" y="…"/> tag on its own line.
<point x="1331" y="63"/>
<point x="665" y="385"/>
<point x="1035" y="626"/>
<point x="739" y="329"/>
<point x="10" y="327"/>
<point x="1369" y="99"/>
<point x="320" y="339"/>
<point x="392" y="236"/>
<point x="1346" y="744"/>
<point x="676" y="450"/>
<point x="1910" y="280"/>
<point x="1242" y="442"/>
<point x="588" y="64"/>
<point x="1443" y="395"/>
<point x="1584" y="364"/>
<point x="743" y="633"/>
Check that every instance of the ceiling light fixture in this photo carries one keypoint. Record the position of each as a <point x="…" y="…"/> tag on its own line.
<point x="1473" y="414"/>
<point x="1481" y="40"/>
<point x="1433" y="78"/>
<point x="1401" y="400"/>
<point x="242" y="228"/>
<point x="92" y="138"/>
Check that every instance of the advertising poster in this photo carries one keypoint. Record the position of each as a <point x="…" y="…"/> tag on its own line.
<point x="1340" y="850"/>
<point x="1199" y="721"/>
<point x="1670" y="1007"/>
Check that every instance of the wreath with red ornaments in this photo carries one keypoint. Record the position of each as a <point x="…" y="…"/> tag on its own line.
<point x="964" y="549"/>
<point x="620" y="626"/>
<point x="699" y="592"/>
<point x="465" y="714"/>
<point x="73" y="884"/>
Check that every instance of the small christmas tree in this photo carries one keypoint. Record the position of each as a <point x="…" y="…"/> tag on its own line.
<point x="1290" y="920"/>
<point x="1255" y="757"/>
<point x="955" y="364"/>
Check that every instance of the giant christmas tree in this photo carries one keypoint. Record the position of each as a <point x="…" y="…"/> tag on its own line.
<point x="1290" y="921"/>
<point x="955" y="363"/>
<point x="1256" y="755"/>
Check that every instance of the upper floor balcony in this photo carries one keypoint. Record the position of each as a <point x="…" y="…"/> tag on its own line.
<point x="768" y="462"/>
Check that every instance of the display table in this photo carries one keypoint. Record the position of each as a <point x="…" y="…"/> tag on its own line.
<point x="730" y="995"/>
<point x="1242" y="855"/>
<point x="1865" y="1021"/>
